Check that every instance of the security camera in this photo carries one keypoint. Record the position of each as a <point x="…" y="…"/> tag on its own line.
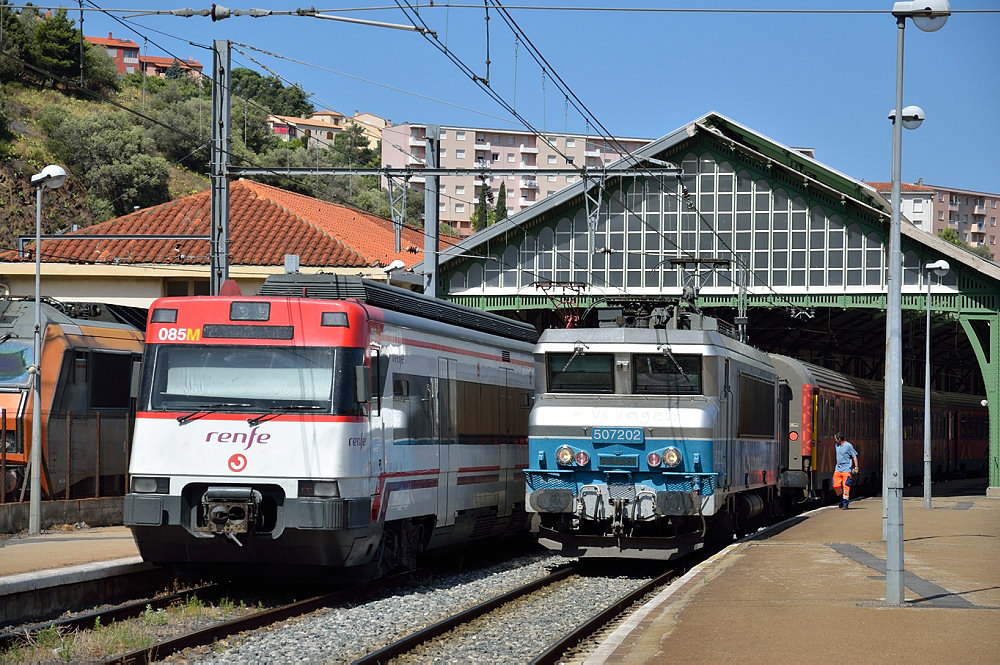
<point x="394" y="266"/>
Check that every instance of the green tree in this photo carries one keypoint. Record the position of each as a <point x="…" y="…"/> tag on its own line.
<point x="501" y="209"/>
<point x="483" y="215"/>
<point x="271" y="93"/>
<point x="111" y="155"/>
<point x="952" y="236"/>
<point x="55" y="45"/>
<point x="175" y="71"/>
<point x="352" y="148"/>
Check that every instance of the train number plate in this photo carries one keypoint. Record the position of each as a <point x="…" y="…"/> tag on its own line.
<point x="617" y="435"/>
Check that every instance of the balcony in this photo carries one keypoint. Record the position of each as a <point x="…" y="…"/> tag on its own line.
<point x="530" y="149"/>
<point x="529" y="184"/>
<point x="483" y="145"/>
<point x="417" y="142"/>
<point x="526" y="202"/>
<point x="591" y="153"/>
<point x="411" y="160"/>
<point x="979" y="210"/>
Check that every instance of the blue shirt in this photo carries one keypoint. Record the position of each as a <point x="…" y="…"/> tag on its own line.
<point x="845" y="456"/>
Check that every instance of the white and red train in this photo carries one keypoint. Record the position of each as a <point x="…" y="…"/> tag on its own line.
<point x="328" y="421"/>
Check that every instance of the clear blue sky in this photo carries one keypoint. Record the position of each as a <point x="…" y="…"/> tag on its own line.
<point x="825" y="81"/>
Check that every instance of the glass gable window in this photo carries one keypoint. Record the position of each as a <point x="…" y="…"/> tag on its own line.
<point x="580" y="373"/>
<point x="666" y="374"/>
<point x="775" y="233"/>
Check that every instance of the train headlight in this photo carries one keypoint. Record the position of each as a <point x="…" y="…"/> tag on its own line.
<point x="582" y="458"/>
<point x="564" y="455"/>
<point x="325" y="489"/>
<point x="149" y="485"/>
<point x="671" y="457"/>
<point x="654" y="460"/>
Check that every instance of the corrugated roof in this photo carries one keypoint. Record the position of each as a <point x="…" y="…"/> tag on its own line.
<point x="265" y="224"/>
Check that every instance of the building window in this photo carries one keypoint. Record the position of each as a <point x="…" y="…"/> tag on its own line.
<point x="442" y="189"/>
<point x="918" y="205"/>
<point x="329" y="135"/>
<point x="569" y="160"/>
<point x="459" y="190"/>
<point x="129" y="69"/>
<point x="459" y="154"/>
<point x="443" y="153"/>
<point x="993" y="221"/>
<point x="940" y="197"/>
<point x="459" y="136"/>
<point x="570" y="143"/>
<point x="510" y="157"/>
<point x="459" y="207"/>
<point x="496" y="156"/>
<point x="443" y="135"/>
<point x="550" y="178"/>
<point x="551" y="159"/>
<point x="940" y="215"/>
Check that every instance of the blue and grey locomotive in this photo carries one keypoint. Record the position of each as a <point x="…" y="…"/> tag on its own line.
<point x="651" y="438"/>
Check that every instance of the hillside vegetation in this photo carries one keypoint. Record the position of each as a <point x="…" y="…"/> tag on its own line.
<point x="134" y="141"/>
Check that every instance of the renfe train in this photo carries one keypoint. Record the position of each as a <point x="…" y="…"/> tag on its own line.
<point x="88" y="359"/>
<point x="328" y="421"/>
<point x="653" y="439"/>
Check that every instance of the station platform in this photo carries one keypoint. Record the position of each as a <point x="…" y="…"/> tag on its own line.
<point x="56" y="549"/>
<point x="813" y="587"/>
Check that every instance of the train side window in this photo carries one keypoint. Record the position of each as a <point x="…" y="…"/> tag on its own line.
<point x="80" y="367"/>
<point x="110" y="380"/>
<point x="400" y="387"/>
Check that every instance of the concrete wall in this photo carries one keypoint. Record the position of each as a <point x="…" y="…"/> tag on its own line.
<point x="94" y="512"/>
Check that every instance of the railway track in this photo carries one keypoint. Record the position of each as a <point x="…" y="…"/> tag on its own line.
<point x="447" y="640"/>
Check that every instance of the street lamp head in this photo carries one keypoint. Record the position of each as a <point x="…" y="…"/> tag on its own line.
<point x="52" y="176"/>
<point x="939" y="268"/>
<point x="928" y="15"/>
<point x="913" y="116"/>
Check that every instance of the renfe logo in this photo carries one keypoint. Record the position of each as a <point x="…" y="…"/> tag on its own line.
<point x="357" y="441"/>
<point x="239" y="437"/>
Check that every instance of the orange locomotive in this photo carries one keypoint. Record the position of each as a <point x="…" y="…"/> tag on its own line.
<point x="88" y="359"/>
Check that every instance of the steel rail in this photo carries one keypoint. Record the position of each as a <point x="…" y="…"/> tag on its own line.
<point x="87" y="621"/>
<point x="553" y="652"/>
<point x="408" y="643"/>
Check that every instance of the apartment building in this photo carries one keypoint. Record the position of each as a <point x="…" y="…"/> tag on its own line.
<point x="470" y="147"/>
<point x="318" y="130"/>
<point x="125" y="54"/>
<point x="973" y="215"/>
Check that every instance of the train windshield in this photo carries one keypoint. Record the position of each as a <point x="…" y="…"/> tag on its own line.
<point x="580" y="373"/>
<point x="666" y="374"/>
<point x="251" y="378"/>
<point x="15" y="358"/>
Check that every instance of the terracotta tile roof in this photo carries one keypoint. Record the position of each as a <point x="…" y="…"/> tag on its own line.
<point x="112" y="41"/>
<point x="306" y="122"/>
<point x="265" y="224"/>
<point x="903" y="187"/>
<point x="167" y="62"/>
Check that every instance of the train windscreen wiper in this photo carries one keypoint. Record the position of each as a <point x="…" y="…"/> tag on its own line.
<point x="284" y="408"/>
<point x="211" y="408"/>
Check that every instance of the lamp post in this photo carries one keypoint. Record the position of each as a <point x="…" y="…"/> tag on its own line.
<point x="928" y="15"/>
<point x="53" y="177"/>
<point x="939" y="268"/>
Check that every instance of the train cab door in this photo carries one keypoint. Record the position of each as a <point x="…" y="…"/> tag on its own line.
<point x="445" y="426"/>
<point x="726" y="405"/>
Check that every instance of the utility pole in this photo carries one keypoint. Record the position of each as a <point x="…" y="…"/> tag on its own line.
<point x="219" y="165"/>
<point x="431" y="198"/>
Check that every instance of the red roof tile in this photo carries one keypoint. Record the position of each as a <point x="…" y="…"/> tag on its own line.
<point x="903" y="187"/>
<point x="265" y="223"/>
